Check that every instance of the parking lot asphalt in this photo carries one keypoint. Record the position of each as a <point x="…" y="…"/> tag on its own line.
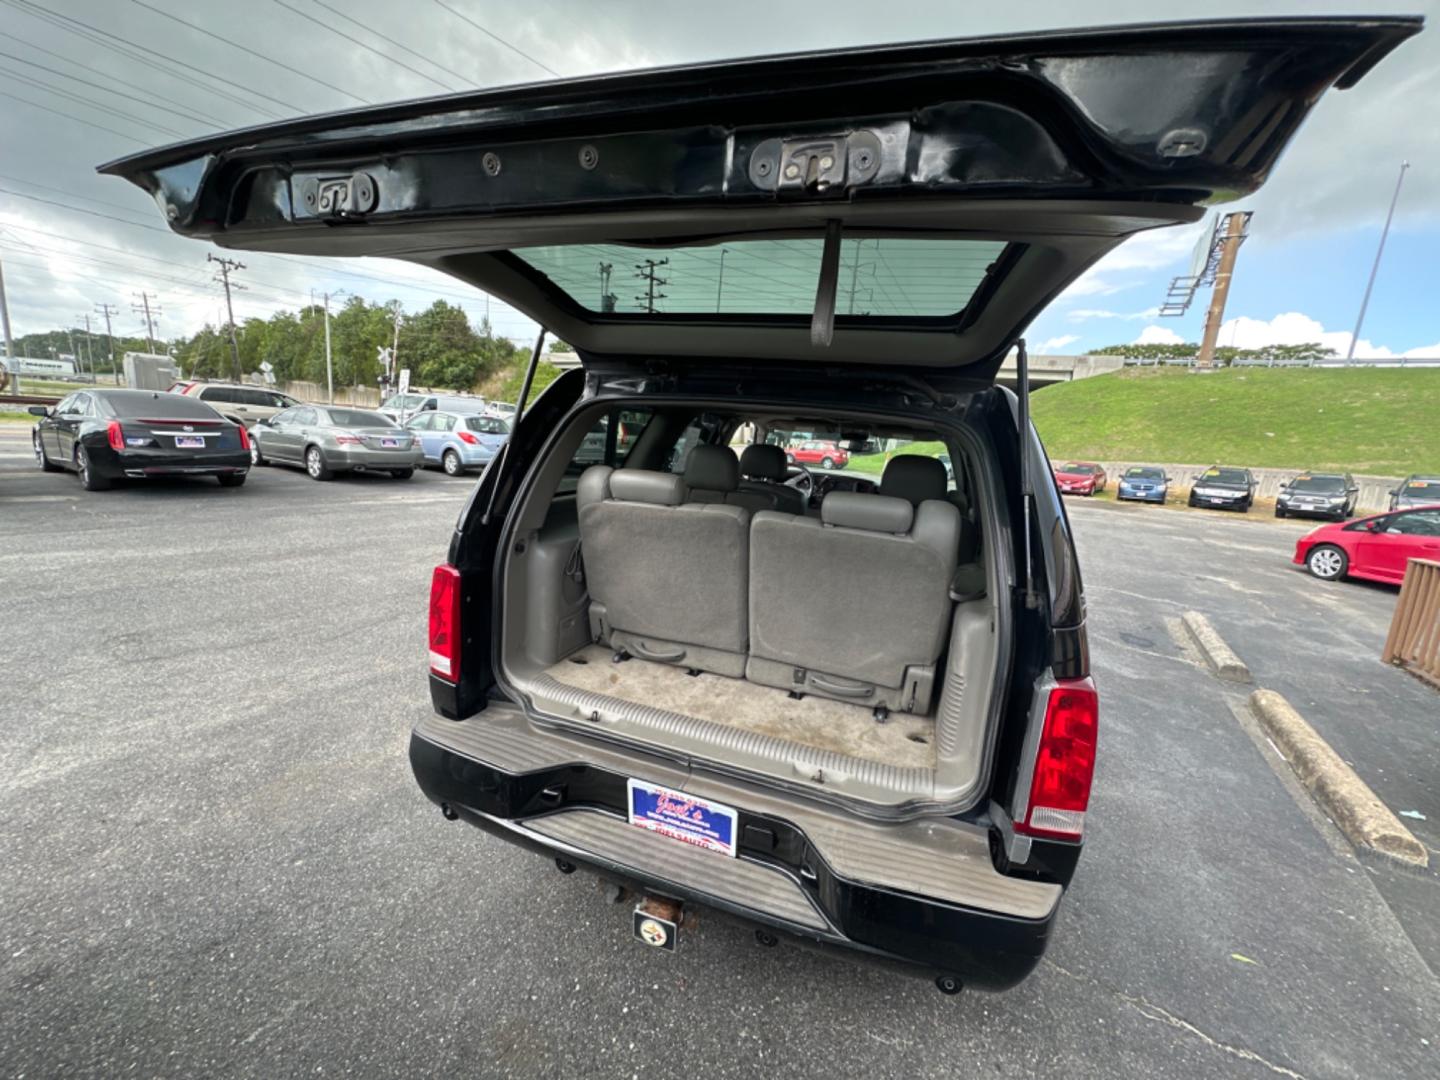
<point x="217" y="863"/>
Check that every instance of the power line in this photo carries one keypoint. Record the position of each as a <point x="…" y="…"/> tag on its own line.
<point x="149" y="102"/>
<point x="369" y="48"/>
<point x="515" y="49"/>
<point x="68" y="194"/>
<point x="465" y="80"/>
<point x="81" y="99"/>
<point x="133" y="51"/>
<point x="252" y="52"/>
<point x="69" y="116"/>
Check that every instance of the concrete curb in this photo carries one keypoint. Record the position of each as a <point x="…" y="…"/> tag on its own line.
<point x="1222" y="660"/>
<point x="1348" y="800"/>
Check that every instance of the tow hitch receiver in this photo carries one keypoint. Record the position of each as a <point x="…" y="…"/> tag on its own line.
<point x="657" y="922"/>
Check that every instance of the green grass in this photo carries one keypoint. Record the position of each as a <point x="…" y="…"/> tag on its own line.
<point x="58" y="386"/>
<point x="10" y="416"/>
<point x="1382" y="421"/>
<point x="875" y="463"/>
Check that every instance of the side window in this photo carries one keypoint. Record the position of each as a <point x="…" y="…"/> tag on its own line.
<point x="1419" y="523"/>
<point x="66" y="405"/>
<point x="444" y="423"/>
<point x="420" y="423"/>
<point x="82" y="406"/>
<point x="598" y="447"/>
<point x="304" y="415"/>
<point x="214" y="393"/>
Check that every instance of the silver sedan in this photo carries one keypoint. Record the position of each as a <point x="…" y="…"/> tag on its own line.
<point x="327" y="439"/>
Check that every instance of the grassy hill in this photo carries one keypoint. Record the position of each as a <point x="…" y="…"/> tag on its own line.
<point x="1382" y="420"/>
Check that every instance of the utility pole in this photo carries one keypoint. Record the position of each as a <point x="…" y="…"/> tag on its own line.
<point x="144" y="306"/>
<point x="646" y="271"/>
<point x="9" y="342"/>
<point x="108" y="310"/>
<point x="227" y="265"/>
<point x="1365" y="302"/>
<point x="395" y="345"/>
<point x="329" y="366"/>
<point x="1234" y="234"/>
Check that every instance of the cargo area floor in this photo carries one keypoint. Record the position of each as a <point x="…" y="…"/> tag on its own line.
<point x="836" y="726"/>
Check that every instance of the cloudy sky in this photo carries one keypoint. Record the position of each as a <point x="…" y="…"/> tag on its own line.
<point x="84" y="81"/>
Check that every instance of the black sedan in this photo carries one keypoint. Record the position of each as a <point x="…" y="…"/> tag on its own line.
<point x="110" y="435"/>
<point x="1223" y="488"/>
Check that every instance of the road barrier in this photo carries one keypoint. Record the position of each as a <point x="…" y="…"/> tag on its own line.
<point x="1414" y="639"/>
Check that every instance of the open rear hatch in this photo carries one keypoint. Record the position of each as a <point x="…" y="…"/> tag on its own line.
<point x="1035" y="154"/>
<point x="903" y="210"/>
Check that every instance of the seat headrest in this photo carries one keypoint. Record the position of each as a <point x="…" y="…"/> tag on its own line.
<point x="913" y="478"/>
<point x="644" y="486"/>
<point x="712" y="468"/>
<point x="874" y="513"/>
<point x="763" y="462"/>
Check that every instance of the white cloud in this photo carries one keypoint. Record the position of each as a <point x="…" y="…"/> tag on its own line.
<point x="1297" y="328"/>
<point x="1084" y="314"/>
<point x="1158" y="335"/>
<point x="1055" y="344"/>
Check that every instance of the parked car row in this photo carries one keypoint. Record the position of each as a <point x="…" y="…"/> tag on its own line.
<point x="109" y="435"/>
<point x="1220" y="487"/>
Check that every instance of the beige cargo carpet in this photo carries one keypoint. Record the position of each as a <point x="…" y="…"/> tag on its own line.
<point x="837" y="726"/>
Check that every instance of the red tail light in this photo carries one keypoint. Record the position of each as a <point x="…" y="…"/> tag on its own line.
<point x="445" y="622"/>
<point x="115" y="435"/>
<point x="466" y="437"/>
<point x="1064" y="762"/>
<point x="244" y="438"/>
<point x="355" y="440"/>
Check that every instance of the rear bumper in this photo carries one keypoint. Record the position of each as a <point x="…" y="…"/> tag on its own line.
<point x="374" y="459"/>
<point x="138" y="464"/>
<point x="792" y="874"/>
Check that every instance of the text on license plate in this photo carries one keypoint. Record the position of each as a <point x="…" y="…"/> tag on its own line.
<point x="389" y="442"/>
<point x="189" y="442"/>
<point x="704" y="824"/>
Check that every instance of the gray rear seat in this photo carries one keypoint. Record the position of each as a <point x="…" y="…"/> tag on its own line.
<point x="667" y="575"/>
<point x="855" y="606"/>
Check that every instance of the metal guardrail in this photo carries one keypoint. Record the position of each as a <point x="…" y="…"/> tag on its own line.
<point x="1414" y="639"/>
<point x="1321" y="362"/>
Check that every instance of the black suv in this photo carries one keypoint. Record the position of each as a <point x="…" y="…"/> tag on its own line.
<point x="851" y="711"/>
<point x="1327" y="495"/>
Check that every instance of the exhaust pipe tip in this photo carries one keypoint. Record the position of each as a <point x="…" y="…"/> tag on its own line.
<point x="448" y="812"/>
<point x="949" y="985"/>
<point x="564" y="866"/>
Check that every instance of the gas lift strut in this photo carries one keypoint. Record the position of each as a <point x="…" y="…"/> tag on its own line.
<point x="1027" y="484"/>
<point x="499" y="464"/>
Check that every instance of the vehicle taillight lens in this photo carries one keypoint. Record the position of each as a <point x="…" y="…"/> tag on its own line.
<point x="244" y="438"/>
<point x="445" y="622"/>
<point x="115" y="435"/>
<point x="350" y="439"/>
<point x="1064" y="762"/>
<point x="466" y="437"/>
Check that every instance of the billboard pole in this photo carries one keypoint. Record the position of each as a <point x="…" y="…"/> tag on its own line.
<point x="1234" y="233"/>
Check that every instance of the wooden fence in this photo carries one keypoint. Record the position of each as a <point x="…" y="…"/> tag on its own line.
<point x="1414" y="638"/>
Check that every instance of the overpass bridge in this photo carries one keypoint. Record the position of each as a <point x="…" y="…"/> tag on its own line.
<point x="1048" y="370"/>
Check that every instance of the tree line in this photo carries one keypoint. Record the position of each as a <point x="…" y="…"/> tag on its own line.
<point x="1224" y="354"/>
<point x="439" y="346"/>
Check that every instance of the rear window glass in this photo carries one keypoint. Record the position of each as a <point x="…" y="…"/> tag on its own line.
<point x="1428" y="487"/>
<point x="487" y="425"/>
<point x="158" y="406"/>
<point x="880" y="276"/>
<point x="359" y="418"/>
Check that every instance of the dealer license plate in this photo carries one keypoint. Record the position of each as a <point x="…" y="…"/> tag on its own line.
<point x="389" y="442"/>
<point x="704" y="824"/>
<point x="189" y="442"/>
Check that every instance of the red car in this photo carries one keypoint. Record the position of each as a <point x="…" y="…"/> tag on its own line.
<point x="818" y="452"/>
<point x="1374" y="548"/>
<point x="1080" y="478"/>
